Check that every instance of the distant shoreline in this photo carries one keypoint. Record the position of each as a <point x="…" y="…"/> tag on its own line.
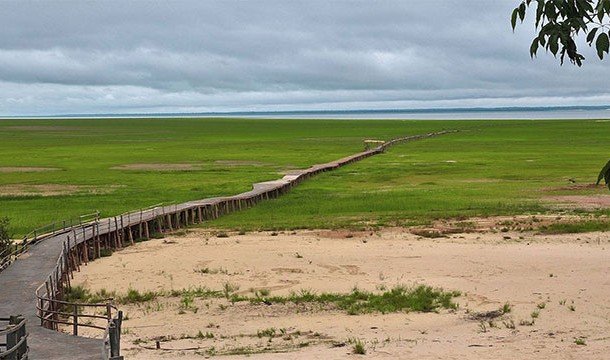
<point x="498" y="113"/>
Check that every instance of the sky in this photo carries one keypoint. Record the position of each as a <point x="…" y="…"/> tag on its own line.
<point x="85" y="57"/>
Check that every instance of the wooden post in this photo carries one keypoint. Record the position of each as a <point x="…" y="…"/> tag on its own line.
<point x="85" y="247"/>
<point x="115" y="337"/>
<point x="75" y="315"/>
<point x="146" y="231"/>
<point x="98" y="242"/>
<point x="130" y="235"/>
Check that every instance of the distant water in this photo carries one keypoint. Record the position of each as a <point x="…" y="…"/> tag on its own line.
<point x="448" y="115"/>
<point x="531" y="113"/>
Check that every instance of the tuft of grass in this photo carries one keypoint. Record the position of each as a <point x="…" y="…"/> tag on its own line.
<point x="206" y="335"/>
<point x="228" y="289"/>
<point x="541" y="306"/>
<point x="580" y="341"/>
<point x="506" y="308"/>
<point x="535" y="314"/>
<point x="358" y="347"/>
<point x="269" y="332"/>
<point x="105" y="252"/>
<point x="134" y="296"/>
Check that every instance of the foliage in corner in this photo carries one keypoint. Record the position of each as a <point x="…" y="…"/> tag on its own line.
<point x="604" y="174"/>
<point x="5" y="237"/>
<point x="559" y="22"/>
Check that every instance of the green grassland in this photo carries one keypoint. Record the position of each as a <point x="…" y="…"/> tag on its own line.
<point x="488" y="168"/>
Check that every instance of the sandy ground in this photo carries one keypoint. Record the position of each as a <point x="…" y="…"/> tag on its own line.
<point x="54" y="189"/>
<point x="158" y="167"/>
<point x="567" y="275"/>
<point x="22" y="169"/>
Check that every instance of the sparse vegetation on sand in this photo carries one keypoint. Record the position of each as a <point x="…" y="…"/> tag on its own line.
<point x="400" y="298"/>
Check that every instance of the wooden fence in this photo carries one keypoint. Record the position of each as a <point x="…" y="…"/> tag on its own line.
<point x="99" y="237"/>
<point x="9" y="255"/>
<point x="15" y="346"/>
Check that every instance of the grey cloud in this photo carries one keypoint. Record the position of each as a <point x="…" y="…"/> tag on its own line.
<point x="78" y="57"/>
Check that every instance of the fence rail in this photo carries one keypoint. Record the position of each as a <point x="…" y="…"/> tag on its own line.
<point x="15" y="346"/>
<point x="57" y="227"/>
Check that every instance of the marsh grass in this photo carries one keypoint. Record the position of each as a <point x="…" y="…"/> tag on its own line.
<point x="501" y="168"/>
<point x="575" y="227"/>
<point x="421" y="299"/>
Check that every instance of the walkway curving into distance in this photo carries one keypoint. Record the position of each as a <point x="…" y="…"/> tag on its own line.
<point x="18" y="283"/>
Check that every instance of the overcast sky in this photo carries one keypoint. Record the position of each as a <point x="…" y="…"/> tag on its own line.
<point x="198" y="56"/>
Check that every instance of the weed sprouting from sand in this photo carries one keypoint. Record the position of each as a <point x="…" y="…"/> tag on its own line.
<point x="535" y="314"/>
<point x="134" y="296"/>
<point x="527" y="322"/>
<point x="210" y="271"/>
<point x="572" y="308"/>
<point x="541" y="306"/>
<point x="506" y="308"/>
<point x="358" y="347"/>
<point x="228" y="289"/>
<point x="206" y="335"/>
<point x="186" y="303"/>
<point x="580" y="341"/>
<point x="509" y="324"/>
<point x="270" y="333"/>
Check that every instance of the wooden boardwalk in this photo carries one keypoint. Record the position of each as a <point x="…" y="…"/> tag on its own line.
<point x="38" y="275"/>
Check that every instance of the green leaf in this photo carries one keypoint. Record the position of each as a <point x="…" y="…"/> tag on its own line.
<point x="602" y="44"/>
<point x="513" y="18"/>
<point x="553" y="44"/>
<point x="522" y="11"/>
<point x="534" y="47"/>
<point x="591" y="35"/>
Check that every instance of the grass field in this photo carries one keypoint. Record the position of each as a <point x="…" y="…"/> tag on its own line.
<point x="489" y="168"/>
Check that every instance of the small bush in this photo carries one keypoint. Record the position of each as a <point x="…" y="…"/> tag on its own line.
<point x="358" y="347"/>
<point x="105" y="252"/>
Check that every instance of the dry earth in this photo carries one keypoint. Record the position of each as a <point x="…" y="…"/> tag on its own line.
<point x="158" y="167"/>
<point x="564" y="278"/>
<point x="54" y="189"/>
<point x="22" y="169"/>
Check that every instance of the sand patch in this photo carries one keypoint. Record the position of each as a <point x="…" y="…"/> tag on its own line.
<point x="42" y="128"/>
<point x="158" y="167"/>
<point x="25" y="169"/>
<point x="54" y="189"/>
<point x="584" y="202"/>
<point x="576" y="187"/>
<point x="232" y="163"/>
<point x="568" y="276"/>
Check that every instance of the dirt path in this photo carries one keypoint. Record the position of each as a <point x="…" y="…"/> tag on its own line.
<point x="559" y="283"/>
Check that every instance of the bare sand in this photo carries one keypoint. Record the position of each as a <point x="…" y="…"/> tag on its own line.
<point x="23" y="169"/>
<point x="158" y="167"/>
<point x="564" y="278"/>
<point x="54" y="189"/>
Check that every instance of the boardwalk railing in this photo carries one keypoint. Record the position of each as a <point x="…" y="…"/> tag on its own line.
<point x="57" y="227"/>
<point x="13" y="339"/>
<point x="93" y="239"/>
